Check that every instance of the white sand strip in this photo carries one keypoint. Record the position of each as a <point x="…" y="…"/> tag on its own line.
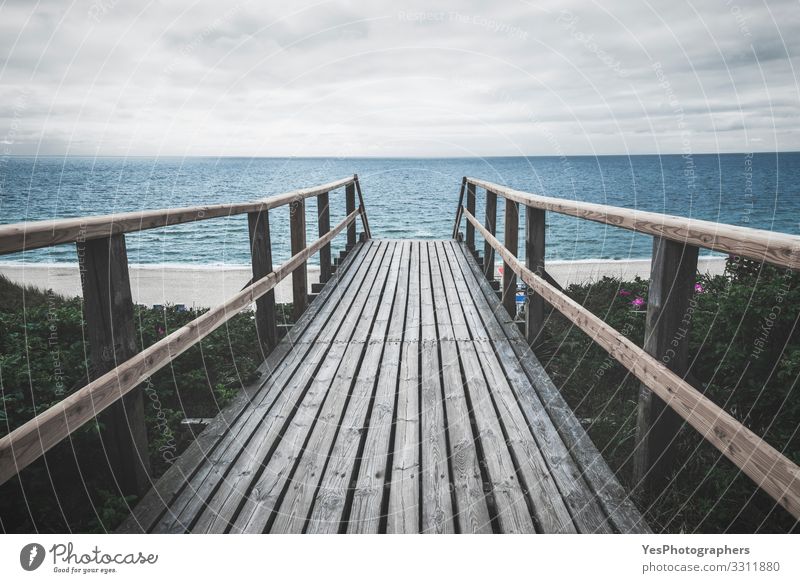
<point x="200" y="287"/>
<point x="211" y="286"/>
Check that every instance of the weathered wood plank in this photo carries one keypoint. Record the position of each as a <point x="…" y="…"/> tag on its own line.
<point x="472" y="511"/>
<point x="261" y="259"/>
<point x="672" y="279"/>
<point x="403" y="510"/>
<point x="470" y="208"/>
<point x="156" y="502"/>
<point x="609" y="493"/>
<point x="290" y="376"/>
<point x="370" y="484"/>
<point x="437" y="508"/>
<point x="542" y="459"/>
<point x="324" y="223"/>
<point x="110" y="329"/>
<point x="511" y="241"/>
<point x="350" y="206"/>
<point x="491" y="221"/>
<point x="297" y="214"/>
<point x="772" y="471"/>
<point x="534" y="260"/>
<point x="321" y="482"/>
<point x="304" y="392"/>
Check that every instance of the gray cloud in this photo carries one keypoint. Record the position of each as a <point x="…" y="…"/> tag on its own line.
<point x="389" y="78"/>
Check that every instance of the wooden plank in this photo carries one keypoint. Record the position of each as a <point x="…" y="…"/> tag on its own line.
<point x="321" y="481"/>
<point x="472" y="511"/>
<point x="470" y="208"/>
<point x="437" y="504"/>
<point x="261" y="259"/>
<point x="491" y="221"/>
<point x="672" y="279"/>
<point x="350" y="206"/>
<point x="110" y="329"/>
<point x="403" y="509"/>
<point x="324" y="221"/>
<point x="610" y="495"/>
<point x="508" y="483"/>
<point x="306" y="350"/>
<point x="551" y="478"/>
<point x="29" y="441"/>
<point x="772" y="471"/>
<point x="370" y="484"/>
<point x="777" y="248"/>
<point x="511" y="242"/>
<point x="534" y="261"/>
<point x="33" y="235"/>
<point x="457" y="224"/>
<point x="303" y="392"/>
<point x="363" y="209"/>
<point x="155" y="502"/>
<point x="297" y="216"/>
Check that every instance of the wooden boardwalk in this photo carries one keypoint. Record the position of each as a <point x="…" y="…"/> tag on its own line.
<point x="403" y="400"/>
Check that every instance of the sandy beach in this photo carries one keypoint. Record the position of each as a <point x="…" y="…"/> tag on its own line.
<point x="210" y="286"/>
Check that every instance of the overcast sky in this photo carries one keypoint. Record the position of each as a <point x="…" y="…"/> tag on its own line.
<point x="398" y="78"/>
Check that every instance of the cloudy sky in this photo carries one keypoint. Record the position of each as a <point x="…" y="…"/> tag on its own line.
<point x="398" y="78"/>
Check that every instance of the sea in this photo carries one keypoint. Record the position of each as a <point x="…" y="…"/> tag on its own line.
<point x="405" y="198"/>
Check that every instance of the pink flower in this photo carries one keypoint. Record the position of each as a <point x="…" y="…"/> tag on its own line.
<point x="624" y="292"/>
<point x="637" y="302"/>
<point x="160" y="331"/>
<point x="698" y="288"/>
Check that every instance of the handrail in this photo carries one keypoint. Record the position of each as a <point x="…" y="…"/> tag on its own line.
<point x="31" y="440"/>
<point x="26" y="236"/>
<point x="768" y="468"/>
<point x="776" y="248"/>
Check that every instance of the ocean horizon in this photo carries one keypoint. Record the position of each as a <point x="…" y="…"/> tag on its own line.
<point x="409" y="198"/>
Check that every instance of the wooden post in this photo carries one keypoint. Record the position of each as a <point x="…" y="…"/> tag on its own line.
<point x="534" y="260"/>
<point x="511" y="242"/>
<point x="350" y="206"/>
<point x="261" y="257"/>
<point x="324" y="221"/>
<point x="471" y="209"/>
<point x="672" y="280"/>
<point x="110" y="329"/>
<point x="297" y="212"/>
<point x="367" y="234"/>
<point x="491" y="220"/>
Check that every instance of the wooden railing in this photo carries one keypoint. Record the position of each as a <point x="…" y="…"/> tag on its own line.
<point x="117" y="368"/>
<point x="665" y="397"/>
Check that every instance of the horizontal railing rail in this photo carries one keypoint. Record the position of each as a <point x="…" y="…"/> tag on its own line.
<point x="34" y="235"/>
<point x="116" y="380"/>
<point x="777" y="248"/>
<point x="662" y="364"/>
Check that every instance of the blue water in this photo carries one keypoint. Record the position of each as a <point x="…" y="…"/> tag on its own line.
<point x="405" y="198"/>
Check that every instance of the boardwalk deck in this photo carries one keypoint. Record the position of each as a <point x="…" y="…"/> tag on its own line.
<point x="403" y="400"/>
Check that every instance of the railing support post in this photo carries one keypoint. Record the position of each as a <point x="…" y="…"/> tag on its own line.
<point x="534" y="260"/>
<point x="471" y="209"/>
<point x="511" y="242"/>
<point x="261" y="258"/>
<point x="350" y="206"/>
<point x="110" y="329"/>
<point x="672" y="280"/>
<point x="324" y="220"/>
<point x="297" y="212"/>
<point x="491" y="221"/>
<point x="364" y="220"/>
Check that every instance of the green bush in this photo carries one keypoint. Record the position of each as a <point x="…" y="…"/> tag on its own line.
<point x="43" y="358"/>
<point x="744" y="352"/>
